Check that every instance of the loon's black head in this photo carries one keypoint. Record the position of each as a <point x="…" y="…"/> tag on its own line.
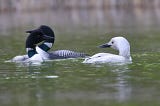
<point x="42" y="34"/>
<point x="45" y="31"/>
<point x="32" y="40"/>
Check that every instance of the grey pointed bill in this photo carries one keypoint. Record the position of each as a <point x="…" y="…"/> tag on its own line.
<point x="104" y="45"/>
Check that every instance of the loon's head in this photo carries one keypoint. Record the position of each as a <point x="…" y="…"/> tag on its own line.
<point x="42" y="34"/>
<point x="119" y="43"/>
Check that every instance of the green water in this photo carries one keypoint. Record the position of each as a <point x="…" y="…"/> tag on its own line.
<point x="72" y="83"/>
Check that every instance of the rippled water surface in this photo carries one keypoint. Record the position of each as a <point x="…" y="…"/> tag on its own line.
<point x="72" y="83"/>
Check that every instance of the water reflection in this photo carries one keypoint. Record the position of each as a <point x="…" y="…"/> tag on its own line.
<point x="124" y="90"/>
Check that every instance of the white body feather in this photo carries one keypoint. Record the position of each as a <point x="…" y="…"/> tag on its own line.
<point x="118" y="43"/>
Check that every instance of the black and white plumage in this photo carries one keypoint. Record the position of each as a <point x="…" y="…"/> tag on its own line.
<point x="38" y="44"/>
<point x="63" y="54"/>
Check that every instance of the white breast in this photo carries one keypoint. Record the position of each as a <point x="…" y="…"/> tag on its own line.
<point x="42" y="53"/>
<point x="35" y="58"/>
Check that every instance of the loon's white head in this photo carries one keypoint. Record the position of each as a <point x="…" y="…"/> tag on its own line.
<point x="121" y="44"/>
<point x="118" y="43"/>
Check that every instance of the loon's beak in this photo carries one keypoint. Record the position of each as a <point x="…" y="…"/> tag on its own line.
<point x="47" y="37"/>
<point x="104" y="45"/>
<point x="35" y="30"/>
<point x="30" y="31"/>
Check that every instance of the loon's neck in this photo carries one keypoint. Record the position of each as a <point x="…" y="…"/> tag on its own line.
<point x="31" y="52"/>
<point x="42" y="50"/>
<point x="46" y="46"/>
<point x="125" y="52"/>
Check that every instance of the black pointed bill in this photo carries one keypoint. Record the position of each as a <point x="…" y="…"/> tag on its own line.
<point x="104" y="45"/>
<point x="47" y="37"/>
<point x="35" y="30"/>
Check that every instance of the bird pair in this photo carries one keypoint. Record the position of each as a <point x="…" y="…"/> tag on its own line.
<point x="40" y="41"/>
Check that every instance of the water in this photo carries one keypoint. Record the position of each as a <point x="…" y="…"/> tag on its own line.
<point x="72" y="83"/>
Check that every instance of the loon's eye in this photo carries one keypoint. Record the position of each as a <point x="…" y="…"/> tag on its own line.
<point x="112" y="42"/>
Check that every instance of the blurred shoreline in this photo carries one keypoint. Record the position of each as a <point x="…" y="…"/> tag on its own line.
<point x="72" y="14"/>
<point x="41" y="5"/>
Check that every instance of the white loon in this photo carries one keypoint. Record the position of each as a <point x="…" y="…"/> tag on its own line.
<point x="39" y="42"/>
<point x="118" y="43"/>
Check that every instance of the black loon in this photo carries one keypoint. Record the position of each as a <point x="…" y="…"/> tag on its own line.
<point x="39" y="42"/>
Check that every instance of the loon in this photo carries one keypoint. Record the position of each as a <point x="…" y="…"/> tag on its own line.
<point x="39" y="42"/>
<point x="118" y="43"/>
